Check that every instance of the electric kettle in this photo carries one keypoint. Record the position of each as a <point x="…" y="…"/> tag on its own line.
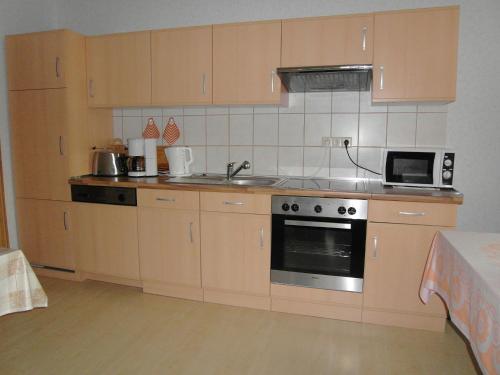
<point x="179" y="160"/>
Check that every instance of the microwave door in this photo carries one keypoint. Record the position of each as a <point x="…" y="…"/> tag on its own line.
<point x="411" y="168"/>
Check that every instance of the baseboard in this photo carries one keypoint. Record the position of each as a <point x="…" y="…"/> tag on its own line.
<point x="322" y="310"/>
<point x="434" y="323"/>
<point x="237" y="299"/>
<point x="111" y="279"/>
<point x="173" y="290"/>
<point x="46" y="272"/>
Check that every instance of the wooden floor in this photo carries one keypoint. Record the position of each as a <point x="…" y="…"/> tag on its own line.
<point x="99" y="328"/>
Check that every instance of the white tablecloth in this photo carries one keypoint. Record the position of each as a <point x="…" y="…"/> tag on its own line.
<point x="464" y="269"/>
<point x="20" y="289"/>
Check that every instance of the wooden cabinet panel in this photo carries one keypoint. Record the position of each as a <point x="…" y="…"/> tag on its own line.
<point x="235" y="252"/>
<point x="182" y="66"/>
<point x="245" y="57"/>
<point x="46" y="232"/>
<point x="394" y="264"/>
<point x="160" y="198"/>
<point x="169" y="246"/>
<point x="236" y="202"/>
<point x="106" y="240"/>
<point x="413" y="213"/>
<point x="119" y="69"/>
<point x="327" y="41"/>
<point x="415" y="55"/>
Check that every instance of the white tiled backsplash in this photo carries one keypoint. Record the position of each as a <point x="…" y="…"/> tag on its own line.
<point x="287" y="140"/>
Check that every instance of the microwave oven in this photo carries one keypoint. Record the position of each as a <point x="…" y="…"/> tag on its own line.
<point x="418" y="167"/>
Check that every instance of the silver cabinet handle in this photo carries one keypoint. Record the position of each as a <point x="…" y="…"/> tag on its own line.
<point x="191" y="232"/>
<point x="91" y="88"/>
<point x="273" y="73"/>
<point x="363" y="38"/>
<point x="204" y="84"/>
<point x="375" y="247"/>
<point x="409" y="213"/>
<point x="65" y="220"/>
<point x="231" y="203"/>
<point x="61" y="145"/>
<point x="381" y="77"/>
<point x="58" y="60"/>
<point x="317" y="224"/>
<point x="261" y="238"/>
<point x="166" y="199"/>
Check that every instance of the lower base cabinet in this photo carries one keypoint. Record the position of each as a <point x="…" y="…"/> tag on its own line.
<point x="106" y="241"/>
<point x="45" y="232"/>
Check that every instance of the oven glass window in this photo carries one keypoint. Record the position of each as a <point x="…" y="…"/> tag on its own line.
<point x="410" y="167"/>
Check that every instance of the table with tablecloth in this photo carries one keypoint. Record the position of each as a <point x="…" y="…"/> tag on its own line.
<point x="463" y="268"/>
<point x="20" y="289"/>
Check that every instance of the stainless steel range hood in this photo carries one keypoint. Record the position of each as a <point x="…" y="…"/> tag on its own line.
<point x="327" y="78"/>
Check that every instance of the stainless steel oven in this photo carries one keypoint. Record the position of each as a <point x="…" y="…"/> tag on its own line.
<point x="318" y="242"/>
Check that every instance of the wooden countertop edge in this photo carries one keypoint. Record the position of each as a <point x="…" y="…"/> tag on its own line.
<point x="101" y="181"/>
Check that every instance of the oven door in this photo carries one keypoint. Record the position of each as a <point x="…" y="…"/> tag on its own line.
<point x="318" y="252"/>
<point x="410" y="168"/>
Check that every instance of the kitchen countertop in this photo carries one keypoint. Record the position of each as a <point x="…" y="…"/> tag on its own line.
<point x="335" y="188"/>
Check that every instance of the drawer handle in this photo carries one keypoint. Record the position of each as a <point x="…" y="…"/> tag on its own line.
<point x="381" y="85"/>
<point x="375" y="247"/>
<point x="204" y="84"/>
<point x="231" y="203"/>
<point x="261" y="238"/>
<point x="91" y="88"/>
<point x="409" y="213"/>
<point x="61" y="145"/>
<point x="166" y="199"/>
<point x="363" y="38"/>
<point x="191" y="232"/>
<point x="65" y="220"/>
<point x="273" y="73"/>
<point x="58" y="74"/>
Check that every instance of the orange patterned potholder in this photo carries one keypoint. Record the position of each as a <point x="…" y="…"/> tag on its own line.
<point x="151" y="130"/>
<point x="171" y="133"/>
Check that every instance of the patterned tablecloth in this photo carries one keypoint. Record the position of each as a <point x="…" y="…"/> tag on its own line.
<point x="20" y="289"/>
<point x="464" y="269"/>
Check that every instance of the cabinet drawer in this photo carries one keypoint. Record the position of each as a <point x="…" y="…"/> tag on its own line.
<point x="412" y="213"/>
<point x="188" y="200"/>
<point x="234" y="202"/>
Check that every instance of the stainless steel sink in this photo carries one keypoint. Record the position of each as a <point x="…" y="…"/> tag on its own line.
<point x="222" y="180"/>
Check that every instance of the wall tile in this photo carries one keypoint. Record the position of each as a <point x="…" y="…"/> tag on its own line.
<point x="291" y="129"/>
<point x="200" y="159"/>
<point x="371" y="158"/>
<point x="172" y="111"/>
<point x="345" y="102"/>
<point x="217" y="110"/>
<point x="194" y="130"/>
<point x="131" y="112"/>
<point x="340" y="165"/>
<point x="372" y="129"/>
<point x="318" y="102"/>
<point x="431" y="129"/>
<point x="295" y="103"/>
<point x="265" y="129"/>
<point x="241" y="110"/>
<point x="366" y="106"/>
<point x="194" y="111"/>
<point x="132" y="128"/>
<point x="152" y="112"/>
<point x="118" y="127"/>
<point x="291" y="161"/>
<point x="265" y="109"/>
<point x="316" y="161"/>
<point x="403" y="108"/>
<point x="241" y="129"/>
<point x="317" y="126"/>
<point x="401" y="129"/>
<point x="217" y="159"/>
<point x="265" y="161"/>
<point x="345" y="125"/>
<point x="239" y="154"/>
<point x="217" y="130"/>
<point x="432" y="108"/>
<point x="117" y="112"/>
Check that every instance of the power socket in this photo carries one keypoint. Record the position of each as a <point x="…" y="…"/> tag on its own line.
<point x="336" y="142"/>
<point x="327" y="141"/>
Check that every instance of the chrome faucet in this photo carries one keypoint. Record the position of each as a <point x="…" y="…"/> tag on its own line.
<point x="230" y="166"/>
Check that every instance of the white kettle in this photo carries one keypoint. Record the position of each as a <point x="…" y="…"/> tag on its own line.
<point x="179" y="160"/>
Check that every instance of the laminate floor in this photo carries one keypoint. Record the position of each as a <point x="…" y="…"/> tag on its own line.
<point x="99" y="328"/>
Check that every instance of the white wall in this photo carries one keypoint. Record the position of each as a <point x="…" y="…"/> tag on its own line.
<point x="16" y="16"/>
<point x="473" y="128"/>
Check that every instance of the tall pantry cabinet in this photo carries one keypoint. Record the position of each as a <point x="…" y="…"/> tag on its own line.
<point x="51" y="138"/>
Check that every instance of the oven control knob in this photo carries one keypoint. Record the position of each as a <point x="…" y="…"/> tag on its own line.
<point x="318" y="209"/>
<point x="285" y="206"/>
<point x="447" y="175"/>
<point x="448" y="162"/>
<point x="295" y="207"/>
<point x="351" y="210"/>
<point x="341" y="210"/>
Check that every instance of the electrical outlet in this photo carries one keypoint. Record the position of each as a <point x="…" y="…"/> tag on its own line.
<point x="338" y="142"/>
<point x="326" y="141"/>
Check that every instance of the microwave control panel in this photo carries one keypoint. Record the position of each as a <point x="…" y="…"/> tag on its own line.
<point x="447" y="169"/>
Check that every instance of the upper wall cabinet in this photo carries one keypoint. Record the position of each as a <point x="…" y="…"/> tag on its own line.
<point x="415" y="55"/>
<point x="119" y="69"/>
<point x="43" y="60"/>
<point x="182" y="66"/>
<point x="245" y="58"/>
<point x="327" y="41"/>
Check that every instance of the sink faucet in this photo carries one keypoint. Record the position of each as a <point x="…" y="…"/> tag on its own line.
<point x="230" y="166"/>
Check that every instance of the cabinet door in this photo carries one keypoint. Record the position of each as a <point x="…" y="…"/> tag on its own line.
<point x="182" y="66"/>
<point x="235" y="252"/>
<point x="46" y="233"/>
<point x="119" y="69"/>
<point x="35" y="61"/>
<point x="394" y="264"/>
<point x="415" y="55"/>
<point x="169" y="246"/>
<point x="327" y="41"/>
<point x="106" y="240"/>
<point x="245" y="58"/>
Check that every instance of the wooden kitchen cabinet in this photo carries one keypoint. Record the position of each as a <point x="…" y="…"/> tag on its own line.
<point x="320" y="41"/>
<point x="415" y="55"/>
<point x="119" y="69"/>
<point x="181" y="61"/>
<point x="106" y="242"/>
<point x="245" y="58"/>
<point x="235" y="258"/>
<point x="46" y="232"/>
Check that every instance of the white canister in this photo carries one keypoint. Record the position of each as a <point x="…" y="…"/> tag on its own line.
<point x="179" y="160"/>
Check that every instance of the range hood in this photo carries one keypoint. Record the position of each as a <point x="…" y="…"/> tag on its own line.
<point x="327" y="78"/>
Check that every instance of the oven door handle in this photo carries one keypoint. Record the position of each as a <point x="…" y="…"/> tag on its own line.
<point x="317" y="224"/>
